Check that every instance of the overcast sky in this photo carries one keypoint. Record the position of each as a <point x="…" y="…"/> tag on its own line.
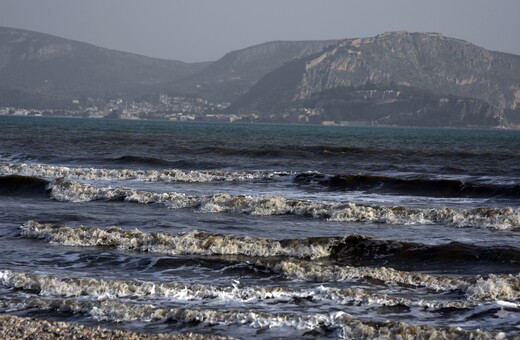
<point x="203" y="30"/>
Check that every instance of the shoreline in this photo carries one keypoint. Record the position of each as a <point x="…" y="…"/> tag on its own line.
<point x="282" y="123"/>
<point x="14" y="327"/>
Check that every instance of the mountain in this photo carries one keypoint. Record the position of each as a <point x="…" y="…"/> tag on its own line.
<point x="39" y="69"/>
<point x="237" y="71"/>
<point x="394" y="78"/>
<point x="49" y="68"/>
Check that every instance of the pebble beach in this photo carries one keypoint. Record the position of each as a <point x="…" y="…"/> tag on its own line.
<point x="14" y="327"/>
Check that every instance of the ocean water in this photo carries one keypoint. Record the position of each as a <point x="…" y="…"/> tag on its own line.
<point x="265" y="231"/>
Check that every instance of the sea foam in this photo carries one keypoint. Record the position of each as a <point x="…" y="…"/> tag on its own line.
<point x="54" y="286"/>
<point x="168" y="175"/>
<point x="195" y="243"/>
<point x="493" y="218"/>
<point x="343" y="324"/>
<point x="301" y="263"/>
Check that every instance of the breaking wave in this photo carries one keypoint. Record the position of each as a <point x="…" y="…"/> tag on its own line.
<point x="54" y="286"/>
<point x="195" y="243"/>
<point x="492" y="287"/>
<point x="494" y="218"/>
<point x="298" y="267"/>
<point x="343" y="324"/>
<point x="171" y="175"/>
<point x="352" y="249"/>
<point x="322" y="272"/>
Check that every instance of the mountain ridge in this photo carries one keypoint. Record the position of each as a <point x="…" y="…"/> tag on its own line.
<point x="237" y="71"/>
<point x="395" y="78"/>
<point x="428" y="62"/>
<point x="52" y="68"/>
<point x="55" y="66"/>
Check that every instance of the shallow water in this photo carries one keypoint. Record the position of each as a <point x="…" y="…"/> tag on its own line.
<point x="261" y="230"/>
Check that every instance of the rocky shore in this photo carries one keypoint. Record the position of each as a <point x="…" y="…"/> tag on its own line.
<point x="14" y="327"/>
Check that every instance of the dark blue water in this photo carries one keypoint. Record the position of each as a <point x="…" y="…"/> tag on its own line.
<point x="260" y="230"/>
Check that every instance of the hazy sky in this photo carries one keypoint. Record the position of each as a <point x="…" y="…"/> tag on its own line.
<point x="202" y="30"/>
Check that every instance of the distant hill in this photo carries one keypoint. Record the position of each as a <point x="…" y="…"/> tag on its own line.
<point x="48" y="68"/>
<point x="37" y="68"/>
<point x="237" y="71"/>
<point x="395" y="78"/>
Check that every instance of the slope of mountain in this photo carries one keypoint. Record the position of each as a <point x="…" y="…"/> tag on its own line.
<point x="397" y="78"/>
<point x="46" y="65"/>
<point x="238" y="71"/>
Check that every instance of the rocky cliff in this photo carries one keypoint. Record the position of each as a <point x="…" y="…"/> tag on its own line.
<point x="463" y="80"/>
<point x="237" y="71"/>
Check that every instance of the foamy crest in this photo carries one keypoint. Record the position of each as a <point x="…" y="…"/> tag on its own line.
<point x="46" y="285"/>
<point x="315" y="271"/>
<point x="399" y="330"/>
<point x="495" y="287"/>
<point x="183" y="243"/>
<point x="70" y="191"/>
<point x="170" y="175"/>
<point x="343" y="324"/>
<point x="494" y="218"/>
<point x="490" y="288"/>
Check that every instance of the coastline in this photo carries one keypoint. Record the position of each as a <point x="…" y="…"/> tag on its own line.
<point x="350" y="124"/>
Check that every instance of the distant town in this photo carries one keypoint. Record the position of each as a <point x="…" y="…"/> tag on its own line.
<point x="166" y="107"/>
<point x="163" y="107"/>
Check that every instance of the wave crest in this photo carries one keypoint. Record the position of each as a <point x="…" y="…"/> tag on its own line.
<point x="170" y="175"/>
<point x="46" y="285"/>
<point x="297" y="267"/>
<point x="344" y="325"/>
<point x="493" y="218"/>
<point x="195" y="243"/>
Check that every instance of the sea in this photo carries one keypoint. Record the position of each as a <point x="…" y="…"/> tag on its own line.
<point x="261" y="231"/>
